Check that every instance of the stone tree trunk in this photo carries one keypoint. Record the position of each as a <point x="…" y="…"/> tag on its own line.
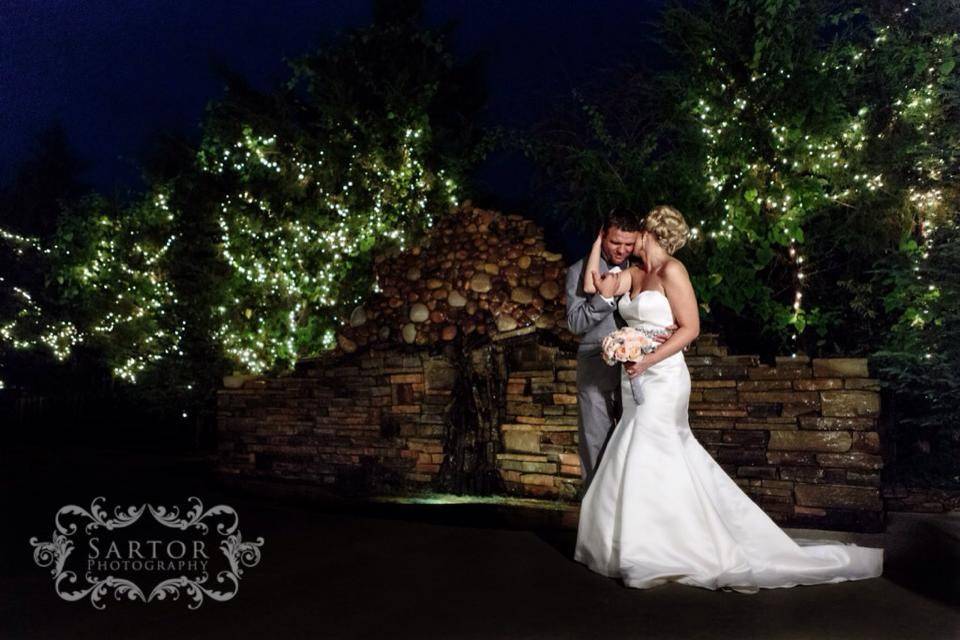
<point x="471" y="438"/>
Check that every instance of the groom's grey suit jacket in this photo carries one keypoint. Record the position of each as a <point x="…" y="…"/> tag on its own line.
<point x="592" y="317"/>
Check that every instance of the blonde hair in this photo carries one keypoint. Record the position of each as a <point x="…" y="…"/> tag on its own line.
<point x="668" y="226"/>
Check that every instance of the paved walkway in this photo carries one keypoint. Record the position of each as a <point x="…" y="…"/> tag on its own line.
<point x="451" y="571"/>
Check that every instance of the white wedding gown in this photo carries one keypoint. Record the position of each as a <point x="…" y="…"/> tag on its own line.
<point x="660" y="509"/>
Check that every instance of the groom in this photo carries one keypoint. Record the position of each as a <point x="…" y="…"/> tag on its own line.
<point x="593" y="316"/>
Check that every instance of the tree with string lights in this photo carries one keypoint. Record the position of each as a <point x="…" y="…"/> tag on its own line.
<point x="283" y="204"/>
<point x="819" y="151"/>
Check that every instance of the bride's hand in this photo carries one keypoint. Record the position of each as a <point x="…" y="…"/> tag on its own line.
<point x="636" y="368"/>
<point x="606" y="284"/>
<point x="599" y="239"/>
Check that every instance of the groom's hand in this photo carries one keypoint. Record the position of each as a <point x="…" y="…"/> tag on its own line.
<point x="663" y="337"/>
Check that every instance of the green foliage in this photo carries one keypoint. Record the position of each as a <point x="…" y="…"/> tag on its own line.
<point x="105" y="286"/>
<point x="921" y="362"/>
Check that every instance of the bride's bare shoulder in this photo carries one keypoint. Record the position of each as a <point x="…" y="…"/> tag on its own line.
<point x="674" y="270"/>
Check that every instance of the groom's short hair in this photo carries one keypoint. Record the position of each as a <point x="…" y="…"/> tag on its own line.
<point x="625" y="219"/>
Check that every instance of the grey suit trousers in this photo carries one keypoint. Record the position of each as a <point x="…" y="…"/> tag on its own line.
<point x="600" y="407"/>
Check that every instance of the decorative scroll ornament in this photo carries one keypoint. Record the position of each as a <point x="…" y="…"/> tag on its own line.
<point x="54" y="553"/>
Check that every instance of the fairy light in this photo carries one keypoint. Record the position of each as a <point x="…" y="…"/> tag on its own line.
<point x="125" y="278"/>
<point x="773" y="175"/>
<point x="295" y="265"/>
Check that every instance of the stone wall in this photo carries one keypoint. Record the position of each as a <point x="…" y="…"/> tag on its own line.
<point x="369" y="422"/>
<point x="808" y="433"/>
<point x="800" y="437"/>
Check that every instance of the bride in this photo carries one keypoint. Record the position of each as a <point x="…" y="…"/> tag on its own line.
<point x="660" y="509"/>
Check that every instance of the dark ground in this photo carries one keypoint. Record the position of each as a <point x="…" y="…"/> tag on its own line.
<point x="470" y="571"/>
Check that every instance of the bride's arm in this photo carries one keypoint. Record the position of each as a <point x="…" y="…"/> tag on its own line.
<point x="683" y="303"/>
<point x="625" y="281"/>
<point x="593" y="277"/>
<point x="592" y="268"/>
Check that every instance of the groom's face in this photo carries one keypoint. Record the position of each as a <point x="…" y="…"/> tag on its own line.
<point x="618" y="244"/>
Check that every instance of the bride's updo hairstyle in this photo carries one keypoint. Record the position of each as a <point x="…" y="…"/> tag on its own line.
<point x="668" y="227"/>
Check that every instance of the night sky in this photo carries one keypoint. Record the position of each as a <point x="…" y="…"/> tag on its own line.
<point x="116" y="73"/>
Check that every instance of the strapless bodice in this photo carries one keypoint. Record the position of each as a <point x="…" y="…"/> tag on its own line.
<point x="648" y="309"/>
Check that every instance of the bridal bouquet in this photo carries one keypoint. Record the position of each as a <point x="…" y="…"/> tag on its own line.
<point x="629" y="344"/>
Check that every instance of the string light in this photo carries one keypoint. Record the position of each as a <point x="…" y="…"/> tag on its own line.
<point x="796" y="173"/>
<point x="125" y="278"/>
<point x="288" y="234"/>
<point x="268" y="249"/>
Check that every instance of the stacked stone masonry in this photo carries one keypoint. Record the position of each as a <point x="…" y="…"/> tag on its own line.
<point x="476" y="273"/>
<point x="800" y="437"/>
